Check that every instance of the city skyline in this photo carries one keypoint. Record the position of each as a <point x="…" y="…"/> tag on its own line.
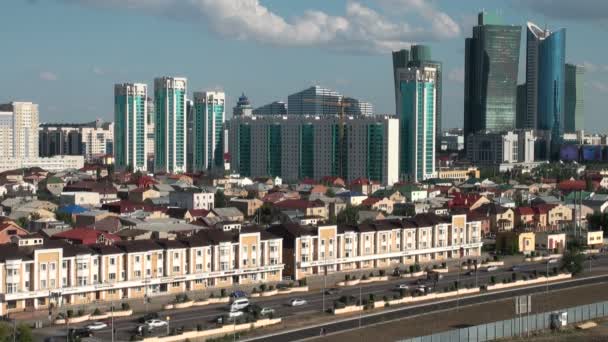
<point x="337" y="60"/>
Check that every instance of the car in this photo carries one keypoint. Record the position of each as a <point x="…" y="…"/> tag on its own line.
<point x="491" y="269"/>
<point x="141" y="328"/>
<point x="266" y="311"/>
<point x="515" y="268"/>
<point x="96" y="326"/>
<point x="552" y="261"/>
<point x="297" y="302"/>
<point x="423" y="289"/>
<point x="239" y="304"/>
<point x="235" y="314"/>
<point x="332" y="291"/>
<point x="148" y="316"/>
<point x="156" y="323"/>
<point x="80" y="333"/>
<point x="236" y="295"/>
<point x="403" y="287"/>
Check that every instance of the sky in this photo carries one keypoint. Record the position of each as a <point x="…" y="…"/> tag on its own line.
<point x="66" y="55"/>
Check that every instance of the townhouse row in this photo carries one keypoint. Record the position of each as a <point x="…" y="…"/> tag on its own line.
<point x="425" y="238"/>
<point x="37" y="272"/>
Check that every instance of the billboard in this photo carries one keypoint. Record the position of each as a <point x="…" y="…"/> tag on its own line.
<point x="569" y="153"/>
<point x="592" y="153"/>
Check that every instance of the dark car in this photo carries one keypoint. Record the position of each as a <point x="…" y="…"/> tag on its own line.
<point x="332" y="291"/>
<point x="148" y="316"/>
<point x="80" y="333"/>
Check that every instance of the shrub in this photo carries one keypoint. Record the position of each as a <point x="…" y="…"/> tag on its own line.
<point x="514" y="276"/>
<point x="135" y="338"/>
<point x="402" y="293"/>
<point x="385" y="298"/>
<point x="223" y="293"/>
<point x="371" y="274"/>
<point x="382" y="273"/>
<point x="364" y="277"/>
<point x="263" y="287"/>
<point x="211" y="295"/>
<point x="80" y="313"/>
<point x="302" y="282"/>
<point x="496" y="258"/>
<point x="199" y="327"/>
<point x="270" y="288"/>
<point x="125" y="306"/>
<point x="435" y="266"/>
<point x="444" y="265"/>
<point x="97" y="312"/>
<point x="412" y="268"/>
<point x="372" y="297"/>
<point x="254" y="290"/>
<point x="346" y="277"/>
<point x="417" y="267"/>
<point x="396" y="296"/>
<point x="493" y="279"/>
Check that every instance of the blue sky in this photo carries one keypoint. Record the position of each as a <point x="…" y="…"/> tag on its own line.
<point x="67" y="54"/>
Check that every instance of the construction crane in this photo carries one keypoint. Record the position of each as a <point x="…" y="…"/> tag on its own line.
<point x="340" y="104"/>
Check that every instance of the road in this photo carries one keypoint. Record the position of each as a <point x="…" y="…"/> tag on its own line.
<point x="205" y="316"/>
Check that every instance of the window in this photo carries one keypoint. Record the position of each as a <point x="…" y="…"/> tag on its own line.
<point x="175" y="269"/>
<point x="148" y="257"/>
<point x="112" y="276"/>
<point x="323" y="242"/>
<point x="64" y="264"/>
<point x="160" y="256"/>
<point x="64" y="281"/>
<point x="43" y="267"/>
<point x="137" y="274"/>
<point x="199" y="253"/>
<point x="137" y="258"/>
<point x="199" y="267"/>
<point x="52" y="266"/>
<point x="112" y="261"/>
<point x="176" y="256"/>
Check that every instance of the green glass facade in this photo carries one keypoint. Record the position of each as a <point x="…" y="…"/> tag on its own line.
<point x="200" y="136"/>
<point x="217" y="113"/>
<point x="130" y="126"/>
<point x="273" y="149"/>
<point x="375" y="151"/>
<point x="307" y="139"/>
<point x="170" y="126"/>
<point x="339" y="152"/>
<point x="574" y="98"/>
<point x="491" y="67"/>
<point x="244" y="152"/>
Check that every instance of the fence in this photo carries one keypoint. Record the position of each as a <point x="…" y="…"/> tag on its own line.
<point x="518" y="326"/>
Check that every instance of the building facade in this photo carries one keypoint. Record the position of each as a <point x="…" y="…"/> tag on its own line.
<point x="19" y="120"/>
<point x="491" y="65"/>
<point x="295" y="147"/>
<point x="274" y="108"/>
<point x="192" y="198"/>
<point x="170" y="124"/>
<point x="51" y="164"/>
<point x="130" y="120"/>
<point x="493" y="149"/>
<point x="150" y="119"/>
<point x="91" y="139"/>
<point x="39" y="272"/>
<point x="243" y="107"/>
<point x="208" y="130"/>
<point x="425" y="238"/>
<point x="417" y="136"/>
<point x="574" y="98"/>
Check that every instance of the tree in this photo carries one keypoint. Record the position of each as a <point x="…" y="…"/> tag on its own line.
<point x="98" y="173"/>
<point x="572" y="261"/>
<point x="24" y="333"/>
<point x="65" y="217"/>
<point x="404" y="210"/>
<point x="6" y="332"/>
<point x="330" y="193"/>
<point x="220" y="199"/>
<point x="350" y="215"/>
<point x="23" y="222"/>
<point x="266" y="214"/>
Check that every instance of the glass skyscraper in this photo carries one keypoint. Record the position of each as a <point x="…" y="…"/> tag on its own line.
<point x="170" y="124"/>
<point x="491" y="64"/>
<point x="417" y="123"/>
<point x="208" y="131"/>
<point x="574" y="98"/>
<point x="130" y="123"/>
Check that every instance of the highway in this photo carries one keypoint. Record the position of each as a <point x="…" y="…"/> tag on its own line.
<point x="205" y="316"/>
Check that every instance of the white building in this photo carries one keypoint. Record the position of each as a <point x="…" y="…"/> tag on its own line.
<point x="23" y="117"/>
<point x="130" y="120"/>
<point x="170" y="124"/>
<point x="82" y="198"/>
<point x="91" y="139"/>
<point x="208" y="130"/>
<point x="295" y="147"/>
<point x="192" y="198"/>
<point x="501" y="148"/>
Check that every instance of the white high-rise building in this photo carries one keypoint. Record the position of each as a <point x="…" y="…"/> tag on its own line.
<point x="130" y="119"/>
<point x="208" y="130"/>
<point x="22" y="118"/>
<point x="170" y="124"/>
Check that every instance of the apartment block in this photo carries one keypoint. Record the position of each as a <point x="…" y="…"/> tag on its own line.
<point x="425" y="238"/>
<point x="36" y="272"/>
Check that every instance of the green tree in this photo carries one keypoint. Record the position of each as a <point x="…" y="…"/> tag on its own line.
<point x="65" y="217"/>
<point x="330" y="193"/>
<point x="6" y="332"/>
<point x="24" y="333"/>
<point x="407" y="211"/>
<point x="266" y="214"/>
<point x="220" y="199"/>
<point x="349" y="215"/>
<point x="572" y="261"/>
<point x="23" y="222"/>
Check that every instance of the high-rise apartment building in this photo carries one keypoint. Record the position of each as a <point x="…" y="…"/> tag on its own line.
<point x="317" y="100"/>
<point x="151" y="117"/>
<point x="295" y="147"/>
<point x="417" y="136"/>
<point x="170" y="124"/>
<point x="356" y="107"/>
<point x="491" y="65"/>
<point x="545" y="79"/>
<point x="400" y="60"/>
<point x="208" y="131"/>
<point x="130" y="120"/>
<point x="421" y="57"/>
<point x="574" y="98"/>
<point x="274" y="108"/>
<point x="22" y="118"/>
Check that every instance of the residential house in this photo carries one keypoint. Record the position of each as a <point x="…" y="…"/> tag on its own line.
<point x="515" y="241"/>
<point x="9" y="230"/>
<point x="501" y="219"/>
<point x="140" y="195"/>
<point x="381" y="204"/>
<point x="364" y="186"/>
<point x="308" y="208"/>
<point x="192" y="198"/>
<point x="551" y="241"/>
<point x="231" y="214"/>
<point x="247" y="206"/>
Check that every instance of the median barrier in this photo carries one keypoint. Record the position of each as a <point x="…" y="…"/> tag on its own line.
<point x="528" y="282"/>
<point x="348" y="309"/>
<point x="354" y="282"/>
<point x="413" y="275"/>
<point x="223" y="330"/>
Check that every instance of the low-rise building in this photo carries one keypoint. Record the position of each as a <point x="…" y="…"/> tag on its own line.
<point x="310" y="250"/>
<point x="516" y="241"/>
<point x="81" y="198"/>
<point x="247" y="206"/>
<point x="192" y="198"/>
<point x="551" y="241"/>
<point x="458" y="174"/>
<point x="594" y="238"/>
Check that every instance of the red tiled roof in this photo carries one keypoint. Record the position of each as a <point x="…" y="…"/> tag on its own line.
<point x="543" y="208"/>
<point x="572" y="185"/>
<point x="370" y="201"/>
<point x="298" y="204"/>
<point x="361" y="181"/>
<point x="308" y="181"/>
<point x="85" y="236"/>
<point x="524" y="211"/>
<point x="198" y="212"/>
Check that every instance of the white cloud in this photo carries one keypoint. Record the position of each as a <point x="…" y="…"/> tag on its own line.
<point x="98" y="71"/>
<point x="456" y="75"/>
<point x="591" y="67"/>
<point x="360" y="29"/>
<point x="48" y="76"/>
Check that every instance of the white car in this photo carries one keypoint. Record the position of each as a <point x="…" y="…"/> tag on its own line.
<point x="491" y="269"/>
<point x="403" y="287"/>
<point x="96" y="326"/>
<point x="266" y="311"/>
<point x="155" y="323"/>
<point x="297" y="302"/>
<point x="235" y="314"/>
